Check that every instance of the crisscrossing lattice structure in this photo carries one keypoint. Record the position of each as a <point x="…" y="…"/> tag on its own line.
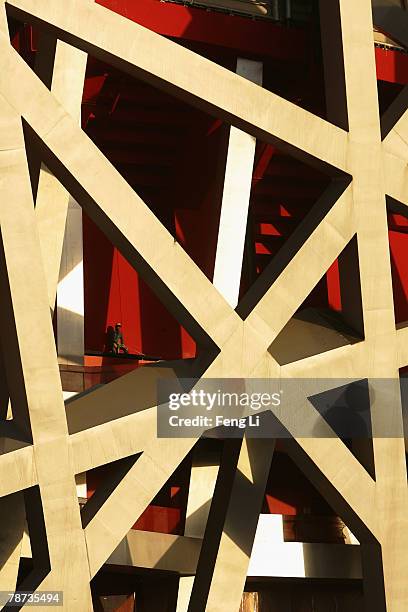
<point x="45" y="468"/>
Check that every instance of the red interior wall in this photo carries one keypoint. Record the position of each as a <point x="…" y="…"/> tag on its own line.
<point x="98" y="260"/>
<point x="113" y="290"/>
<point x="392" y="67"/>
<point x="398" y="235"/>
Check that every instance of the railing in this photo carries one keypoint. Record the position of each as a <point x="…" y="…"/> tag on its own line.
<point x="276" y="10"/>
<point x="381" y="38"/>
<point x="256" y="8"/>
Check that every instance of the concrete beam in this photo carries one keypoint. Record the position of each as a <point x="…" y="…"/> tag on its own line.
<point x="235" y="200"/>
<point x="33" y="375"/>
<point x="217" y="91"/>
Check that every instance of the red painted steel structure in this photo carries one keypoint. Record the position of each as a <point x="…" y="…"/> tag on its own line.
<point x="193" y="192"/>
<point x="212" y="28"/>
<point x="174" y="157"/>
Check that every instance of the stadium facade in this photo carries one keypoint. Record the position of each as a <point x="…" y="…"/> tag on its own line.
<point x="228" y="181"/>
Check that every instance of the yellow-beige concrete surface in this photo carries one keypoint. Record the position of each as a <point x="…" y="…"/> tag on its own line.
<point x="375" y="509"/>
